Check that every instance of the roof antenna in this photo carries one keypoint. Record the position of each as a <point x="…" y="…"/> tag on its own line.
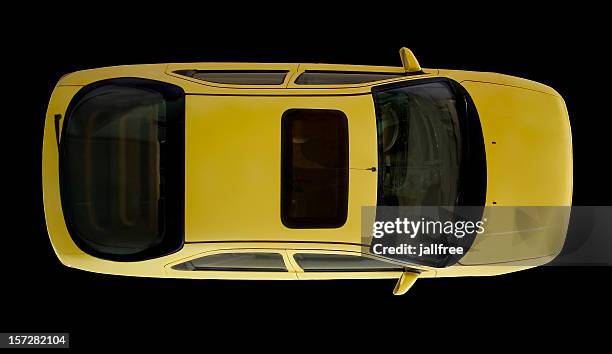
<point x="409" y="61"/>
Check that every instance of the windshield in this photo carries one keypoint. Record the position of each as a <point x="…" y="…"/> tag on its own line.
<point x="430" y="145"/>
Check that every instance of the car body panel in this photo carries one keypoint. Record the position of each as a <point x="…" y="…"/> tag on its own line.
<point x="498" y="79"/>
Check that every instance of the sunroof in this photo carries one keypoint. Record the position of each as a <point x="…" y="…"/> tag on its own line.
<point x="312" y="77"/>
<point x="314" y="168"/>
<point x="237" y="77"/>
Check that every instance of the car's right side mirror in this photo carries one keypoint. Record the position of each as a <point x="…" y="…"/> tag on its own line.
<point x="405" y="282"/>
<point x="409" y="61"/>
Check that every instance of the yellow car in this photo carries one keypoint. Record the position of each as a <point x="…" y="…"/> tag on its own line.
<point x="261" y="170"/>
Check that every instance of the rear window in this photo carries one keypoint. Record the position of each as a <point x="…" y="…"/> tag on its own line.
<point x="311" y="77"/>
<point x="314" y="181"/>
<point x="121" y="169"/>
<point x="238" y="77"/>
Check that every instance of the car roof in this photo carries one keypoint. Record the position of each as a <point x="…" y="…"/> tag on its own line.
<point x="233" y="167"/>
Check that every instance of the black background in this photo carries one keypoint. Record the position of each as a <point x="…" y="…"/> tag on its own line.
<point x="39" y="294"/>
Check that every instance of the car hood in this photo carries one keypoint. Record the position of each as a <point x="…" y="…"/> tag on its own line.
<point x="529" y="164"/>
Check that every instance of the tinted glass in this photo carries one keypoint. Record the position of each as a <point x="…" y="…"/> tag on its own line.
<point x="253" y="262"/>
<point x="121" y="190"/>
<point x="237" y="77"/>
<point x="420" y="144"/>
<point x="314" y="183"/>
<point x="342" y="77"/>
<point x="311" y="262"/>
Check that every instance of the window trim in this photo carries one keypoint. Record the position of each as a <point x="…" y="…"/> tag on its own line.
<point x="169" y="243"/>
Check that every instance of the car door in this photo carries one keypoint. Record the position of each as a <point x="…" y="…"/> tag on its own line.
<point x="322" y="264"/>
<point x="239" y="264"/>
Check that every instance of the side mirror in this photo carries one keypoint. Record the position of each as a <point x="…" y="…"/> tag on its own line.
<point x="409" y="61"/>
<point x="405" y="282"/>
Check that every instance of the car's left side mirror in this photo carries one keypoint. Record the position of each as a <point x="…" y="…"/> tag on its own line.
<point x="405" y="282"/>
